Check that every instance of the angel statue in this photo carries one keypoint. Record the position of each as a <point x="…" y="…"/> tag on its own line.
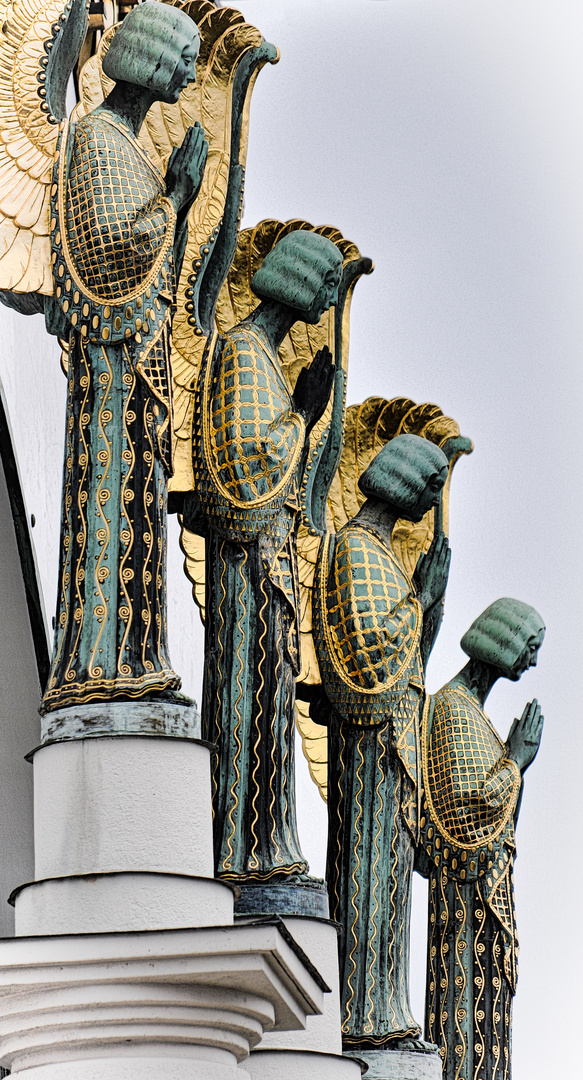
<point x="96" y="217"/>
<point x="250" y="452"/>
<point x="374" y="628"/>
<point x="472" y="787"/>
<point x="253" y="448"/>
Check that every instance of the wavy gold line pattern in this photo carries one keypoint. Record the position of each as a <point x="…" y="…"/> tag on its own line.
<point x="148" y="533"/>
<point x="374" y="878"/>
<point x="480" y="984"/>
<point x="81" y="538"/>
<point x="278" y="651"/>
<point x="355" y="889"/>
<point x="443" y="966"/>
<point x="497" y="983"/>
<point x="126" y="533"/>
<point x="461" y="920"/>
<point x="227" y="863"/>
<point x="261" y="666"/>
<point x="103" y="494"/>
<point x="393" y="910"/>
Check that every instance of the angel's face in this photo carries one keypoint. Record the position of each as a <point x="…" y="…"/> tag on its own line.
<point x="184" y="73"/>
<point x="528" y="657"/>
<point x="326" y="296"/>
<point x="429" y="497"/>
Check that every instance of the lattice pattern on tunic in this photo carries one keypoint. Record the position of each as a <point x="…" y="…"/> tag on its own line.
<point x="501" y="901"/>
<point x="471" y="785"/>
<point x="254" y="431"/>
<point x="153" y="365"/>
<point x="117" y="213"/>
<point x="373" y="623"/>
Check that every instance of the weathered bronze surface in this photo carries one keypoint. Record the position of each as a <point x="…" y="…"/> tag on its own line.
<point x="252" y="438"/>
<point x="96" y="233"/>
<point x="472" y="786"/>
<point x="368" y="427"/>
<point x="373" y="630"/>
<point x="212" y="363"/>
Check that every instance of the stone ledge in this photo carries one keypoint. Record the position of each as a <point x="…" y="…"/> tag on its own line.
<point x="94" y="996"/>
<point x="400" y="1064"/>
<point x="171" y="719"/>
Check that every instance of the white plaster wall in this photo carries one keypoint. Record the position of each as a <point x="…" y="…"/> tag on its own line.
<point x="105" y="805"/>
<point x="19" y="721"/>
<point x="35" y="397"/>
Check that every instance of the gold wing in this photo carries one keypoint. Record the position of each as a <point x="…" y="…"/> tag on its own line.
<point x="231" y="56"/>
<point x="35" y="39"/>
<point x="368" y="427"/>
<point x="236" y="301"/>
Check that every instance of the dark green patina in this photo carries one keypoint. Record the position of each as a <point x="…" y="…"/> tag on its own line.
<point x="472" y="788"/>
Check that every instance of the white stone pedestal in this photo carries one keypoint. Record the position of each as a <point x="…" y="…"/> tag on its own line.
<point x="188" y="1004"/>
<point x="127" y="965"/>
<point x="401" y="1065"/>
<point x="314" y="1053"/>
<point x="123" y="838"/>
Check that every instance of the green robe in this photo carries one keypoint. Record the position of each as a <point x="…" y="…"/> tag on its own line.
<point x="367" y="629"/>
<point x="115" y="258"/>
<point x="248" y="454"/>
<point x="471" y="792"/>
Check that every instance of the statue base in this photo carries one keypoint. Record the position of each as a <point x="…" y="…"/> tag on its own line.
<point x="399" y="1064"/>
<point x="300" y="1065"/>
<point x="102" y="718"/>
<point x="315" y="1052"/>
<point x="309" y="897"/>
<point x="179" y="1004"/>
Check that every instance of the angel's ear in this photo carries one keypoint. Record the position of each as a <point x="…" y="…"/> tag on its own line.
<point x="70" y="34"/>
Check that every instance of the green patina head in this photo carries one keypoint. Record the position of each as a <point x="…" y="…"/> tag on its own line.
<point x="507" y="636"/>
<point x="403" y="471"/>
<point x="303" y="271"/>
<point x="147" y="48"/>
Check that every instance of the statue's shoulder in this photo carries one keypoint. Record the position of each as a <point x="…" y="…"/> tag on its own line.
<point x="243" y="337"/>
<point x="246" y="355"/>
<point x="459" y="722"/>
<point x="94" y="126"/>
<point x="455" y="702"/>
<point x="364" y="552"/>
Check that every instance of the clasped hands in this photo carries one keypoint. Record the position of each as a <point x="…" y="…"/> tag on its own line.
<point x="313" y="388"/>
<point x="186" y="168"/>
<point x="432" y="572"/>
<point x="525" y="734"/>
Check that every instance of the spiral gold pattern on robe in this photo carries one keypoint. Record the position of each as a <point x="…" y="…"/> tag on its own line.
<point x="114" y="275"/>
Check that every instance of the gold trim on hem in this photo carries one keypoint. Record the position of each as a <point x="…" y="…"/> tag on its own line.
<point x="258" y="878"/>
<point x="106" y="689"/>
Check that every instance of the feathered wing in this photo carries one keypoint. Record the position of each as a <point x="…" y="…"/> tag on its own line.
<point x="39" y="44"/>
<point x="367" y="429"/>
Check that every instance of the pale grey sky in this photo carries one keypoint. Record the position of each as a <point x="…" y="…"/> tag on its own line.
<point x="445" y="138"/>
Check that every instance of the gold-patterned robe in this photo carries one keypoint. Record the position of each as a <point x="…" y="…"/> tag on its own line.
<point x="471" y="792"/>
<point x="248" y="454"/>
<point x="115" y="254"/>
<point x="367" y="630"/>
